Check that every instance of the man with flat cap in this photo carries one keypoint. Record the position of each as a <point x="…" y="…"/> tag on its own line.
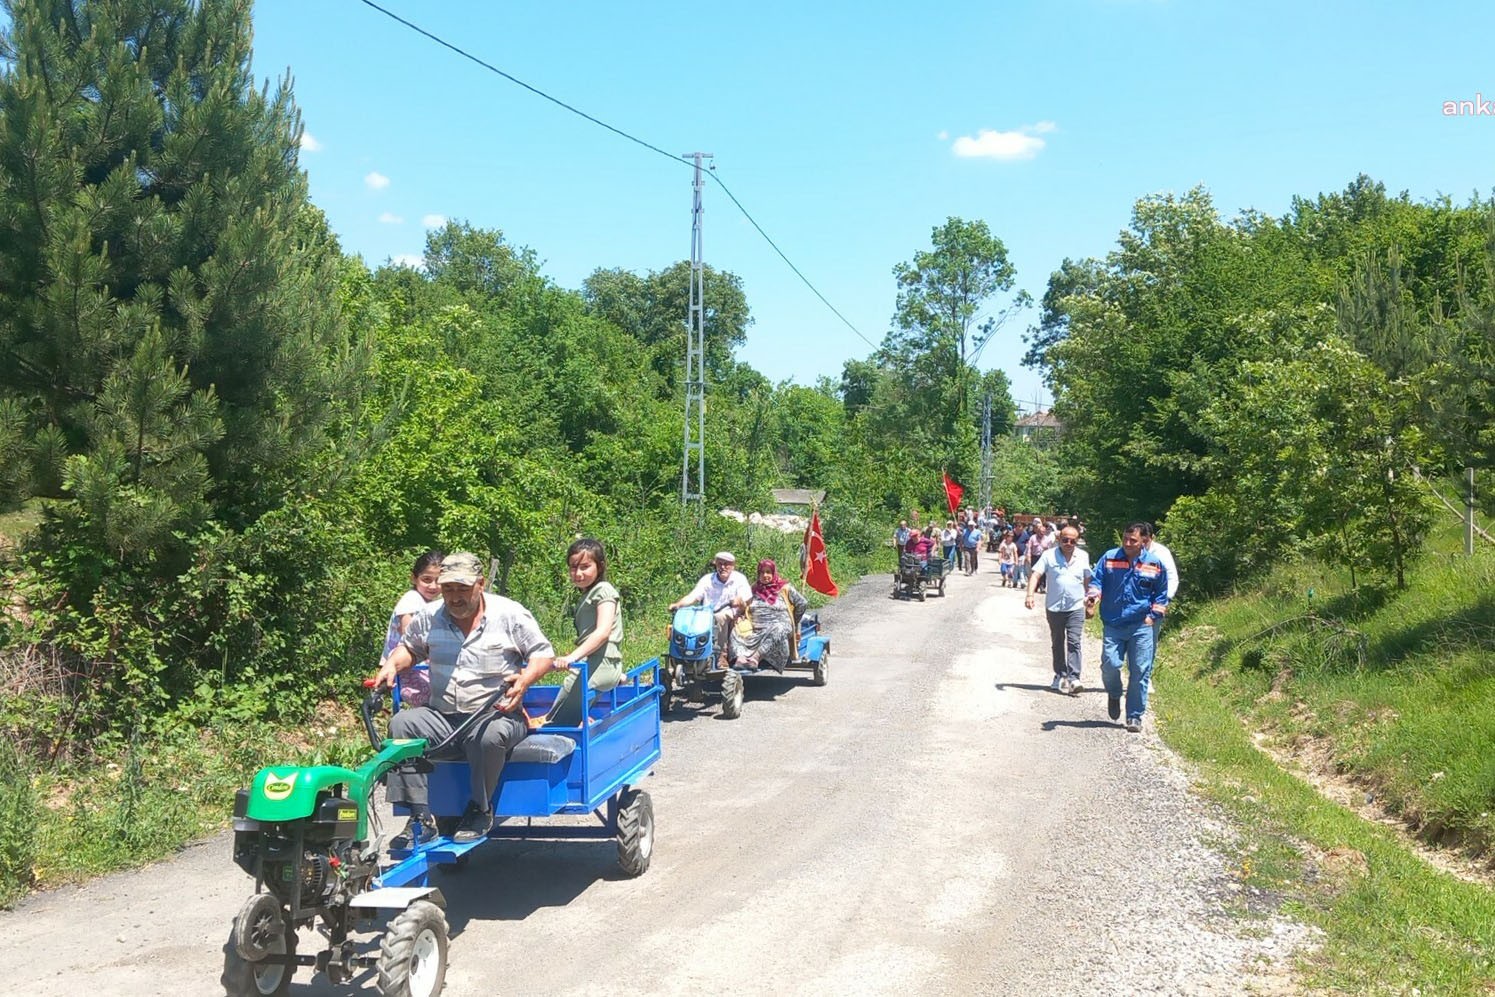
<point x="726" y="591"/>
<point x="476" y="644"/>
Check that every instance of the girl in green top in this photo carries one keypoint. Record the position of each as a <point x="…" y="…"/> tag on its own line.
<point x="599" y="631"/>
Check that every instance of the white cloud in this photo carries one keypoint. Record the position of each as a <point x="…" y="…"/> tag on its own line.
<point x="943" y="135"/>
<point x="433" y="221"/>
<point x="376" y="181"/>
<point x="390" y="218"/>
<point x="408" y="260"/>
<point x="309" y="144"/>
<point x="1020" y="143"/>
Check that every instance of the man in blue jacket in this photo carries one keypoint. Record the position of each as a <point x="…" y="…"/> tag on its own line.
<point x="1130" y="583"/>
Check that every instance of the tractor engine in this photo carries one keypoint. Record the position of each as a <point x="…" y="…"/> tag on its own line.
<point x="302" y="862"/>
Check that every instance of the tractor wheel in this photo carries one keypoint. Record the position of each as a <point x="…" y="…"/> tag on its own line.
<point x="635" y="832"/>
<point x="263" y="930"/>
<point x="666" y="686"/>
<point x="732" y="693"/>
<point x="412" y="956"/>
<point x="820" y="673"/>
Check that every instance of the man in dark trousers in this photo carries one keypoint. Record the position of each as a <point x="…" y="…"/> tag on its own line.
<point x="477" y="644"/>
<point x="1067" y="569"/>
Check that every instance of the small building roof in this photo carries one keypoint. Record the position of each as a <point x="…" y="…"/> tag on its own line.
<point x="798" y="496"/>
<point x="1041" y="419"/>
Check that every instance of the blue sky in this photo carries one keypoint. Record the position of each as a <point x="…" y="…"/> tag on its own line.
<point x="850" y="130"/>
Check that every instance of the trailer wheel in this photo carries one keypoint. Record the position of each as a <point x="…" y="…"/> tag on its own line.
<point x="819" y="674"/>
<point x="635" y="832"/>
<point x="256" y="932"/>
<point x="412" y="956"/>
<point x="732" y="693"/>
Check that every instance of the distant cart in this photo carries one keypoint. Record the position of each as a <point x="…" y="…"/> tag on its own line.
<point x="917" y="577"/>
<point x="692" y="663"/>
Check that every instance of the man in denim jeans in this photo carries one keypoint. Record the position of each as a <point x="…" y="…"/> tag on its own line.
<point x="1131" y="585"/>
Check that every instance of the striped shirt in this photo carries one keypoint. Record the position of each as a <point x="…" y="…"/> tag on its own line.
<point x="468" y="668"/>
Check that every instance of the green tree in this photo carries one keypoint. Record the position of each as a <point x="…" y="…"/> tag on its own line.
<point x="143" y="475"/>
<point x="151" y="190"/>
<point x="938" y="320"/>
<point x="654" y="309"/>
<point x="1137" y="342"/>
<point x="480" y="261"/>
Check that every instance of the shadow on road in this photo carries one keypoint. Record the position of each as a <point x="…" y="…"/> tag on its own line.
<point x="1088" y="690"/>
<point x="1031" y="687"/>
<point x="765" y="687"/>
<point x="1080" y="724"/>
<point x="510" y="880"/>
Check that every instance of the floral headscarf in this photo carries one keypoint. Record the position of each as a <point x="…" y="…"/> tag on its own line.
<point x="768" y="591"/>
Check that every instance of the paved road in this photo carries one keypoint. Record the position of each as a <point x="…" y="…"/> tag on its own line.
<point x="933" y="821"/>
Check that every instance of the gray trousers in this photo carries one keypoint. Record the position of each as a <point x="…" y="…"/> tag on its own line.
<point x="722" y="633"/>
<point x="485" y="746"/>
<point x="1065" y="630"/>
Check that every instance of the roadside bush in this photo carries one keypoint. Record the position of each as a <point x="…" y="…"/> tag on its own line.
<point x="289" y="610"/>
<point x="17" y="825"/>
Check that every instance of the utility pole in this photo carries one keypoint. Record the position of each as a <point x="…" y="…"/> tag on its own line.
<point x="695" y="360"/>
<point x="986" y="451"/>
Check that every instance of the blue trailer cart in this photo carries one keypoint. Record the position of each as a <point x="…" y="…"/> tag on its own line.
<point x="692" y="663"/>
<point x="304" y="834"/>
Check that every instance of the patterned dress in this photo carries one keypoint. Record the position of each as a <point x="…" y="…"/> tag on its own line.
<point x="762" y="638"/>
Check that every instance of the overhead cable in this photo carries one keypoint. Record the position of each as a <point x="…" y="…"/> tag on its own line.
<point x="631" y="138"/>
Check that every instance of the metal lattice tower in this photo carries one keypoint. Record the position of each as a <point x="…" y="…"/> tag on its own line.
<point x="986" y="451"/>
<point x="695" y="359"/>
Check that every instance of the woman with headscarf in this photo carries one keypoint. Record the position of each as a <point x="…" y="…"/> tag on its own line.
<point x="766" y="636"/>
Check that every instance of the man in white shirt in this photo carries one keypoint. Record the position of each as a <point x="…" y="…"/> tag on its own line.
<point x="726" y="591"/>
<point x="1066" y="566"/>
<point x="1166" y="556"/>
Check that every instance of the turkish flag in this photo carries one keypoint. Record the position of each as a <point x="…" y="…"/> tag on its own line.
<point x="953" y="492"/>
<point x="818" y="566"/>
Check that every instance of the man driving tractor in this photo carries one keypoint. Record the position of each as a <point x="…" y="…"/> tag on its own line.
<point x="476" y="644"/>
<point x="726" y="591"/>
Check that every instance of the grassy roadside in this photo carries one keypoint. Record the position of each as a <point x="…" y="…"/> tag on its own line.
<point x="1396" y="693"/>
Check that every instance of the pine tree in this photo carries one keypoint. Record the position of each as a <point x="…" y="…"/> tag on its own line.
<point x="168" y="303"/>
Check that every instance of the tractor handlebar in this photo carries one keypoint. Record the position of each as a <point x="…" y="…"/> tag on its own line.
<point x="375" y="699"/>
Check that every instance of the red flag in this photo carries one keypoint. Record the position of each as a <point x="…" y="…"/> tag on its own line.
<point x="953" y="492"/>
<point x="818" y="572"/>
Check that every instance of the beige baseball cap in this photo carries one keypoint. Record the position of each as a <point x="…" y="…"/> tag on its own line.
<point x="460" y="568"/>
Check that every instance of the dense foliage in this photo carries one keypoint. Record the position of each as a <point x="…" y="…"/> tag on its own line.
<point x="1270" y="385"/>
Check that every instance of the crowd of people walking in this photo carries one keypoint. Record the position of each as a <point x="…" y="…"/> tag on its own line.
<point x="1129" y="587"/>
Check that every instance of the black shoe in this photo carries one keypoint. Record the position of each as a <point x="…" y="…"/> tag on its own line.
<point x="474" y="826"/>
<point x="417" y="830"/>
<point x="1113" y="707"/>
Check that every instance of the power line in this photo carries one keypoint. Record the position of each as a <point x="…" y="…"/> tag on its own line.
<point x="727" y="190"/>
<point x="631" y="138"/>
